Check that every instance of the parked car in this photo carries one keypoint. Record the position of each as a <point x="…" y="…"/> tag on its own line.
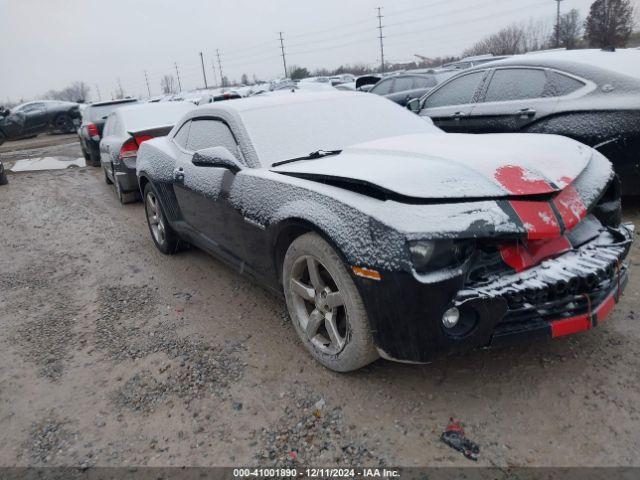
<point x="125" y="130"/>
<point x="407" y="86"/>
<point x="591" y="96"/>
<point x="392" y="238"/>
<point x="32" y="118"/>
<point x="94" y="117"/>
<point x="3" y="175"/>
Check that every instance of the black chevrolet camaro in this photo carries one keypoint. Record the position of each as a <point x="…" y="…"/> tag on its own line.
<point x="387" y="236"/>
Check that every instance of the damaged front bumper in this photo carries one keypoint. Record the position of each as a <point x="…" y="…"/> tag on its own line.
<point x="573" y="292"/>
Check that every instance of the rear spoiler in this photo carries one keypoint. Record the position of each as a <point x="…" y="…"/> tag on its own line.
<point x="141" y="135"/>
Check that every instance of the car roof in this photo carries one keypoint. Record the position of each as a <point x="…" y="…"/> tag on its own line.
<point x="267" y="101"/>
<point x="622" y="61"/>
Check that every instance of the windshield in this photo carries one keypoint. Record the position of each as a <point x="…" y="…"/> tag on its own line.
<point x="292" y="130"/>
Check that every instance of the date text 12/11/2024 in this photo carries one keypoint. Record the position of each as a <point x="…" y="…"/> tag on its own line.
<point x="316" y="473"/>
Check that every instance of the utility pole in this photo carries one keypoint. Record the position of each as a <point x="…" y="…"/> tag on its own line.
<point x="121" y="90"/>
<point x="98" y="90"/>
<point x="220" y="68"/>
<point x="558" y="24"/>
<point x="284" y="58"/>
<point x="606" y="25"/>
<point x="213" y="69"/>
<point x="178" y="75"/>
<point x="146" y="78"/>
<point x="204" y="74"/>
<point x="381" y="40"/>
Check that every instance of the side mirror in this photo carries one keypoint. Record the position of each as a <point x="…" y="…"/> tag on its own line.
<point x="218" y="157"/>
<point x="414" y="105"/>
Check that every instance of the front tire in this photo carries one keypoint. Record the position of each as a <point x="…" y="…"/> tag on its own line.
<point x="325" y="305"/>
<point x="164" y="237"/>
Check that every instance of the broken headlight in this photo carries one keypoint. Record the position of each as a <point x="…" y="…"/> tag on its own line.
<point x="431" y="255"/>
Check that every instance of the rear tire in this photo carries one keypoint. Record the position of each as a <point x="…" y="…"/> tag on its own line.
<point x="3" y="138"/>
<point x="325" y="305"/>
<point x="3" y="178"/>
<point x="64" y="124"/>
<point x="107" y="180"/>
<point x="124" y="197"/>
<point x="164" y="237"/>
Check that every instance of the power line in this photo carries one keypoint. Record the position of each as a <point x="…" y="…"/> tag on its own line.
<point x="381" y="37"/>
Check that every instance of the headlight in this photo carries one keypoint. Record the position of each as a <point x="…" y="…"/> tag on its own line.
<point x="431" y="255"/>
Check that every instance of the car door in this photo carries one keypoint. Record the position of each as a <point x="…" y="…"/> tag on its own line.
<point x="450" y="105"/>
<point x="202" y="192"/>
<point x="35" y="118"/>
<point x="109" y="143"/>
<point x="513" y="99"/>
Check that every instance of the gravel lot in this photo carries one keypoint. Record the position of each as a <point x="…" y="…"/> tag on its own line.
<point x="113" y="354"/>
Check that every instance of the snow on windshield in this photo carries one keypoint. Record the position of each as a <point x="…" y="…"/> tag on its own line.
<point x="149" y="115"/>
<point x="295" y="129"/>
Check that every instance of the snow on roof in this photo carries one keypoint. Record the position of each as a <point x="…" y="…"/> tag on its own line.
<point x="148" y="115"/>
<point x="625" y="61"/>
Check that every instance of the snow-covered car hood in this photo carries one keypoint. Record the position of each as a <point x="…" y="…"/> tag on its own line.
<point x="446" y="166"/>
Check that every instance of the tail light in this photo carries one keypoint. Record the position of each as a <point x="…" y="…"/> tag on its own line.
<point x="130" y="147"/>
<point x="92" y="130"/>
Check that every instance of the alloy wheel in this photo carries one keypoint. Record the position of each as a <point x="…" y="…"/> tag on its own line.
<point x="155" y="219"/>
<point x="319" y="305"/>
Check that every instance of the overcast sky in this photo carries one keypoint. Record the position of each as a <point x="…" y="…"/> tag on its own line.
<point x="46" y="44"/>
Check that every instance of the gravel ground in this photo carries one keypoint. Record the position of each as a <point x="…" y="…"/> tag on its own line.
<point x="113" y="354"/>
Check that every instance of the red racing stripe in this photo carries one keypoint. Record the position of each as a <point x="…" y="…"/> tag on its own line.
<point x="570" y="206"/>
<point x="538" y="219"/>
<point x="520" y="256"/>
<point x="518" y="181"/>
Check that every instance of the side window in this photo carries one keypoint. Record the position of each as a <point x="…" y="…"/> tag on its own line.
<point x="208" y="133"/>
<point x="516" y="84"/>
<point x="32" y="107"/>
<point x="108" y="126"/>
<point x="183" y="134"/>
<point x="559" y="85"/>
<point x="403" y="83"/>
<point x="424" y="82"/>
<point x="383" y="87"/>
<point x="458" y="91"/>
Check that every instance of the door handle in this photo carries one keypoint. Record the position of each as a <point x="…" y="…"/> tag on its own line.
<point x="458" y="115"/>
<point x="526" y="112"/>
<point x="178" y="174"/>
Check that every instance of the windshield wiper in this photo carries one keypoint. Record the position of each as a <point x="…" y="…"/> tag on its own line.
<point x="312" y="156"/>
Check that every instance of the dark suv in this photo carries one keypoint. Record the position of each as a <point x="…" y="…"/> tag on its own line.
<point x="93" y="120"/>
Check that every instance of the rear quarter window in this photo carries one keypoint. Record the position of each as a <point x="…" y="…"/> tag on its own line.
<point x="516" y="84"/>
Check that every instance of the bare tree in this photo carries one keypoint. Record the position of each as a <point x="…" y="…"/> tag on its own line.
<point x="610" y="23"/>
<point x="508" y="41"/>
<point x="168" y="84"/>
<point x="570" y="29"/>
<point x="76" y="92"/>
